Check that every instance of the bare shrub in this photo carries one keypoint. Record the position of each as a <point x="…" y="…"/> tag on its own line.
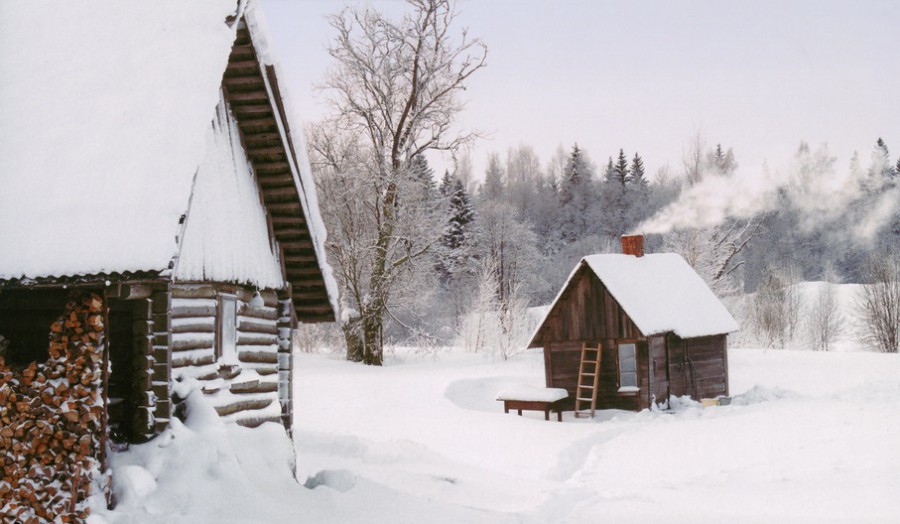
<point x="776" y="308"/>
<point x="879" y="303"/>
<point x="496" y="325"/>
<point x="825" y="321"/>
<point x="316" y="338"/>
<point x="768" y="312"/>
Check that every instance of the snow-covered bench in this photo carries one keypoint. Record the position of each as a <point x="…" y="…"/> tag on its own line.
<point x="532" y="398"/>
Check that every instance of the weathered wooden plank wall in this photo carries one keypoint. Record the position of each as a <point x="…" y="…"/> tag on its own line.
<point x="697" y="367"/>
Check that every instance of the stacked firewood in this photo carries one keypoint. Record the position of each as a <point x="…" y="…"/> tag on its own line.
<point x="51" y="421"/>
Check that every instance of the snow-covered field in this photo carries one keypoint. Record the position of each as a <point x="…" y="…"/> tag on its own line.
<point x="810" y="437"/>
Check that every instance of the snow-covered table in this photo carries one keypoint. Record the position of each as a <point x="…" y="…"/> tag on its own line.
<point x="531" y="398"/>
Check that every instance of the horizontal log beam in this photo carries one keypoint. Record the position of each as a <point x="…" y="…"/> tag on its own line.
<point x="265" y="151"/>
<point x="280" y="194"/>
<point x="243" y="80"/>
<point x="243" y="405"/>
<point x="265" y="167"/>
<point x="297" y="244"/>
<point x="242" y="64"/>
<point x="288" y="221"/>
<point x="240" y="96"/>
<point x="258" y="122"/>
<point x="302" y="271"/>
<point x="285" y="208"/>
<point x="260" y="357"/>
<point x="256" y="109"/>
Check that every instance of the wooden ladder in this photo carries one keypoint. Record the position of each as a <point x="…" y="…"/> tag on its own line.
<point x="589" y="368"/>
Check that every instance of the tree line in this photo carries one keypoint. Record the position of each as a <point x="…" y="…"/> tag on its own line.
<point x="419" y="255"/>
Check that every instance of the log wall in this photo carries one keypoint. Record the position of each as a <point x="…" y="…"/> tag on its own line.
<point x="244" y="388"/>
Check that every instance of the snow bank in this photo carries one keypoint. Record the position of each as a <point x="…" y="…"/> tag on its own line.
<point x="205" y="470"/>
<point x="104" y="110"/>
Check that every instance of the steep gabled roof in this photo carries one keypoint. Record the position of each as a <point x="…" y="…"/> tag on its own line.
<point x="106" y="117"/>
<point x="661" y="293"/>
<point x="105" y="111"/>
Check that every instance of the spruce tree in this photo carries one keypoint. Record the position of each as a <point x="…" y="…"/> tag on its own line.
<point x="572" y="175"/>
<point x="621" y="173"/>
<point x="423" y="174"/>
<point x="638" y="179"/>
<point x="457" y="232"/>
<point x="881" y="170"/>
<point x="610" y="173"/>
<point x="493" y="179"/>
<point x="446" y="187"/>
<point x="575" y="196"/>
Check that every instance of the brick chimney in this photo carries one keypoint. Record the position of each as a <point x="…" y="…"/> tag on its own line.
<point x="633" y="245"/>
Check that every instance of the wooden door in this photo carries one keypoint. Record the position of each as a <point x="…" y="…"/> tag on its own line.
<point x="659" y="369"/>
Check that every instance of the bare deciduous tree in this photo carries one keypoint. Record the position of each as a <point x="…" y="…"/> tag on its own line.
<point x="715" y="252"/>
<point x="825" y="321"/>
<point x="394" y="91"/>
<point x="880" y="303"/>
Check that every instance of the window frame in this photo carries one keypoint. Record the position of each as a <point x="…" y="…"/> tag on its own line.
<point x="221" y="326"/>
<point x="619" y="372"/>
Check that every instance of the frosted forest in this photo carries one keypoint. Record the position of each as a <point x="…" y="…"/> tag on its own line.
<point x="458" y="257"/>
<point x="380" y="311"/>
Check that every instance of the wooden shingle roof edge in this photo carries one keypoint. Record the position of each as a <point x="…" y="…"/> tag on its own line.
<point x="252" y="90"/>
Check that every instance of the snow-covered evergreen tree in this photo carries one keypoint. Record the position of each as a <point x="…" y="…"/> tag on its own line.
<point x="456" y="235"/>
<point x="447" y="187"/>
<point x="621" y="173"/>
<point x="493" y="179"/>
<point x="881" y="171"/>
<point x="422" y="173"/>
<point x="609" y="173"/>
<point x="575" y="196"/>
<point x="638" y="177"/>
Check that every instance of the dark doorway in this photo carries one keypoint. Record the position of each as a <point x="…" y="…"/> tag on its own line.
<point x="122" y="390"/>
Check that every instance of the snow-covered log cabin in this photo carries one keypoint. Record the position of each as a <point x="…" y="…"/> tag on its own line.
<point x="660" y="329"/>
<point x="148" y="155"/>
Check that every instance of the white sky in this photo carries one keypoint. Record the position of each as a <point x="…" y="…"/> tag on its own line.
<point x="756" y="76"/>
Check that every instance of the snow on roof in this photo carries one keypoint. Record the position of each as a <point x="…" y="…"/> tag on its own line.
<point x="104" y="110"/>
<point x="660" y="293"/>
<point x="226" y="237"/>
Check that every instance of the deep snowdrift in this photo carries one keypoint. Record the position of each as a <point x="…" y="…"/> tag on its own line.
<point x="810" y="437"/>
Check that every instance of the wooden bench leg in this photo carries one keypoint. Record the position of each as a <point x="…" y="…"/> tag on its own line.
<point x="520" y="412"/>
<point x="559" y="415"/>
<point x="547" y="414"/>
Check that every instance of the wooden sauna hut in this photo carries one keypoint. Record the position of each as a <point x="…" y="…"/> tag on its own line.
<point x="148" y="156"/>
<point x="660" y="329"/>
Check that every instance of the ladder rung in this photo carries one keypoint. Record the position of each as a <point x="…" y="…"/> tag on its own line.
<point x="584" y="399"/>
<point x="584" y="386"/>
<point x="589" y="374"/>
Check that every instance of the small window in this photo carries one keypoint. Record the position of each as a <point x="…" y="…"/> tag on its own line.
<point x="227" y="335"/>
<point x="627" y="367"/>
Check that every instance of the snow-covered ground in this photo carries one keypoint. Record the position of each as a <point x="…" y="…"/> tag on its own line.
<point x="810" y="437"/>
